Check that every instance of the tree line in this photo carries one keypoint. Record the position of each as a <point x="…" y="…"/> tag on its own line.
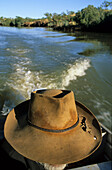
<point x="89" y="18"/>
<point x="49" y="20"/>
<point x="17" y="22"/>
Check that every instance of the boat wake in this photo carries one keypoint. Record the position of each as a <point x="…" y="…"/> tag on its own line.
<point x="78" y="69"/>
<point x="23" y="80"/>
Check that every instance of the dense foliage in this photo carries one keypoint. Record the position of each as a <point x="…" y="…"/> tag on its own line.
<point x="59" y="20"/>
<point x="92" y="18"/>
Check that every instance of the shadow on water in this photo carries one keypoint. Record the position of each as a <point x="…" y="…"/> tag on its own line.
<point x="91" y="37"/>
<point x="97" y="39"/>
<point x="89" y="52"/>
<point x="9" y="98"/>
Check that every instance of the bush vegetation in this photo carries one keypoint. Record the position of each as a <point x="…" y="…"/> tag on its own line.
<point x="17" y="22"/>
<point x="92" y="18"/>
<point x="89" y="18"/>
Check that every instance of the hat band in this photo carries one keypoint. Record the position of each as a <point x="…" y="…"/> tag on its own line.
<point x="52" y="130"/>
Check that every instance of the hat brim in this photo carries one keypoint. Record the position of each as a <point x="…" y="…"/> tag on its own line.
<point x="47" y="147"/>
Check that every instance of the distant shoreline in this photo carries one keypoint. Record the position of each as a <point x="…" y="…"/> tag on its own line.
<point x="68" y="29"/>
<point x="88" y="19"/>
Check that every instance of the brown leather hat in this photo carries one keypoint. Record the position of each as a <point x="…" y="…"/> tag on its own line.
<point x="53" y="128"/>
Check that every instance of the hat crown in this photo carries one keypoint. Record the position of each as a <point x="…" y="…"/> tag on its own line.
<point x="53" y="109"/>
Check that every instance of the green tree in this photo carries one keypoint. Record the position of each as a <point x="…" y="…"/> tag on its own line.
<point x="106" y="5"/>
<point x="49" y="16"/>
<point x="63" y="14"/>
<point x="70" y="12"/>
<point x="90" y="16"/>
<point x="55" y="17"/>
<point x="6" y="22"/>
<point x="19" y="21"/>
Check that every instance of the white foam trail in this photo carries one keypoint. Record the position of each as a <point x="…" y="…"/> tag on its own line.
<point x="76" y="70"/>
<point x="25" y="81"/>
<point x="5" y="110"/>
<point x="104" y="116"/>
<point x="18" y="51"/>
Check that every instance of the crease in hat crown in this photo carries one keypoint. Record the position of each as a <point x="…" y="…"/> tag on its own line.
<point x="53" y="109"/>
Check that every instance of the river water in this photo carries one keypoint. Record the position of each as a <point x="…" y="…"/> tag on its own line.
<point x="41" y="58"/>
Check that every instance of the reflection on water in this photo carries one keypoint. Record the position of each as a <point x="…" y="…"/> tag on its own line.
<point x="39" y="58"/>
<point x="89" y="52"/>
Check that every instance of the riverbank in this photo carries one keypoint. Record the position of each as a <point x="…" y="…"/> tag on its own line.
<point x="88" y="19"/>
